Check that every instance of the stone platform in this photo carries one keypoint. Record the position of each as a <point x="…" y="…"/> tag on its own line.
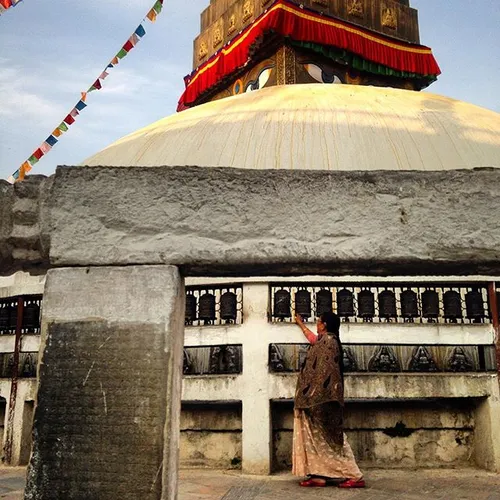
<point x="435" y="484"/>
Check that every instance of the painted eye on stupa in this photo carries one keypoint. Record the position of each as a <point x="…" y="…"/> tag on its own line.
<point x="260" y="81"/>
<point x="321" y="75"/>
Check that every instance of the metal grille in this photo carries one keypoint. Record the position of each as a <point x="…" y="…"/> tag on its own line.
<point x="372" y="302"/>
<point x="392" y="358"/>
<point x="213" y="360"/>
<point x="27" y="368"/>
<point x="32" y="305"/>
<point x="216" y="311"/>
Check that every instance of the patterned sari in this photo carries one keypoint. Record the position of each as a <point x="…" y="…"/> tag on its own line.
<point x="320" y="447"/>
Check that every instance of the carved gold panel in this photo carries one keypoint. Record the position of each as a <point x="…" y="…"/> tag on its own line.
<point x="389" y="17"/>
<point x="355" y="8"/>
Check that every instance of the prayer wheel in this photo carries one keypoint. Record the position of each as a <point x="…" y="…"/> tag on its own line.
<point x="282" y="303"/>
<point x="345" y="303"/>
<point x="12" y="316"/>
<point x="31" y="316"/>
<point x="387" y="304"/>
<point x="452" y="305"/>
<point x="409" y="304"/>
<point x="324" y="300"/>
<point x="190" y="315"/>
<point x="228" y="306"/>
<point x="207" y="307"/>
<point x="4" y="317"/>
<point x="303" y="303"/>
<point x="430" y="305"/>
<point x="366" y="305"/>
<point x="474" y="305"/>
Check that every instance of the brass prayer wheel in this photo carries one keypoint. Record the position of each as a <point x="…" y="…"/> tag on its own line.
<point x="366" y="305"/>
<point x="190" y="314"/>
<point x="409" y="304"/>
<point x="282" y="303"/>
<point x="324" y="301"/>
<point x="303" y="303"/>
<point x="228" y="306"/>
<point x="474" y="305"/>
<point x="207" y="307"/>
<point x="452" y="305"/>
<point x="430" y="304"/>
<point x="387" y="304"/>
<point x="345" y="303"/>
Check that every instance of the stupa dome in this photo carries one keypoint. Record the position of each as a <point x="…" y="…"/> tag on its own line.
<point x="321" y="127"/>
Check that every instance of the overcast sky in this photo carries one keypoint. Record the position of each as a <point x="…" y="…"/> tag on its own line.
<point x="51" y="50"/>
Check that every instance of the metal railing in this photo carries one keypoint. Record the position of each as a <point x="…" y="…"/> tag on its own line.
<point x="372" y="302"/>
<point x="214" y="305"/>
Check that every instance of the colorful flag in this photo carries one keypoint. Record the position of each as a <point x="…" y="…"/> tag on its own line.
<point x="115" y="60"/>
<point x="84" y="96"/>
<point x="69" y="120"/>
<point x="140" y="31"/>
<point x="103" y="75"/>
<point x="151" y="15"/>
<point x="51" y="140"/>
<point x="121" y="54"/>
<point x="38" y="154"/>
<point x="158" y="6"/>
<point x="128" y="46"/>
<point x="45" y="148"/>
<point x="33" y="159"/>
<point x="63" y="127"/>
<point x="5" y="3"/>
<point x="80" y="105"/>
<point x="74" y="113"/>
<point x="134" y="39"/>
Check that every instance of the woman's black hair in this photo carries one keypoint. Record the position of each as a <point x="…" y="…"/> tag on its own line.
<point x="332" y="321"/>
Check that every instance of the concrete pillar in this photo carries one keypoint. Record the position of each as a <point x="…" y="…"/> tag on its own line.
<point x="256" y="415"/>
<point x="108" y="405"/>
<point x="487" y="430"/>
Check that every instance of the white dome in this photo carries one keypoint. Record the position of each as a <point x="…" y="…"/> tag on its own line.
<point x="320" y="127"/>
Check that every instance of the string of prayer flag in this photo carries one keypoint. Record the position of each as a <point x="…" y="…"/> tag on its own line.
<point x="70" y="118"/>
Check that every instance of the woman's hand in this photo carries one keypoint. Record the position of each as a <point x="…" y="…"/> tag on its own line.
<point x="298" y="319"/>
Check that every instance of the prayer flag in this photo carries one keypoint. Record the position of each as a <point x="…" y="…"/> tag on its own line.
<point x="51" y="140"/>
<point x="69" y="120"/>
<point x="140" y="31"/>
<point x="45" y="148"/>
<point x="84" y="96"/>
<point x="5" y="3"/>
<point x="57" y="133"/>
<point x="38" y="154"/>
<point x="103" y="75"/>
<point x="16" y="174"/>
<point x="121" y="54"/>
<point x="109" y="66"/>
<point x="115" y="61"/>
<point x="151" y="15"/>
<point x="128" y="46"/>
<point x="80" y="105"/>
<point x="134" y="39"/>
<point x="33" y="159"/>
<point x="158" y="6"/>
<point x="74" y="113"/>
<point x="11" y="179"/>
<point x="63" y="127"/>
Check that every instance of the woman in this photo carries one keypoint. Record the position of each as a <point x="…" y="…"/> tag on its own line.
<point x="320" y="448"/>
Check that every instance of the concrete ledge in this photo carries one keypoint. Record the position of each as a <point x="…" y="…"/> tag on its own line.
<point x="227" y="222"/>
<point x="362" y="386"/>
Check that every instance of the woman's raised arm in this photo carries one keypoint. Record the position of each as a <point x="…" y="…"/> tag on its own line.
<point x="310" y="336"/>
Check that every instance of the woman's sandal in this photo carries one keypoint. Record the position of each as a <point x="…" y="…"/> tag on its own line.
<point x="353" y="483"/>
<point x="313" y="482"/>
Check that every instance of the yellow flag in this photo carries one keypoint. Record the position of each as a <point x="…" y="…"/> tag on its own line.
<point x="57" y="133"/>
<point x="152" y="15"/>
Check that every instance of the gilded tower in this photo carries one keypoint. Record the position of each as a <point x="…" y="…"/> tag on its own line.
<point x="245" y="45"/>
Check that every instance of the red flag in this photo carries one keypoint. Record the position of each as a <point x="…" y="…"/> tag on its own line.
<point x="128" y="46"/>
<point x="6" y="3"/>
<point x="38" y="154"/>
<point x="97" y="84"/>
<point x="69" y="120"/>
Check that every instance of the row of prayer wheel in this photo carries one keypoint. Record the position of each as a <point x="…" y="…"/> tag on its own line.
<point x="207" y="307"/>
<point x="387" y="305"/>
<point x="8" y="316"/>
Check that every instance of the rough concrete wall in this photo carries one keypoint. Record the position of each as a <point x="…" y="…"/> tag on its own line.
<point x="21" y="244"/>
<point x="395" y="434"/>
<point x="211" y="435"/>
<point x="108" y="404"/>
<point x="229" y="221"/>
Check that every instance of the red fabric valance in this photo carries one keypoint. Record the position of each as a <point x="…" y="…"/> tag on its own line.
<point x="290" y="20"/>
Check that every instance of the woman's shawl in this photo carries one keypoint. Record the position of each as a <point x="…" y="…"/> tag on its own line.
<point x="320" y="388"/>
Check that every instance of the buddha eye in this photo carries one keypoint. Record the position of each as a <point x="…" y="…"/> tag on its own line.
<point x="260" y="81"/>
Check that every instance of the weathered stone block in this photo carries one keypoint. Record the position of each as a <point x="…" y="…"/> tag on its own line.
<point x="107" y="417"/>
